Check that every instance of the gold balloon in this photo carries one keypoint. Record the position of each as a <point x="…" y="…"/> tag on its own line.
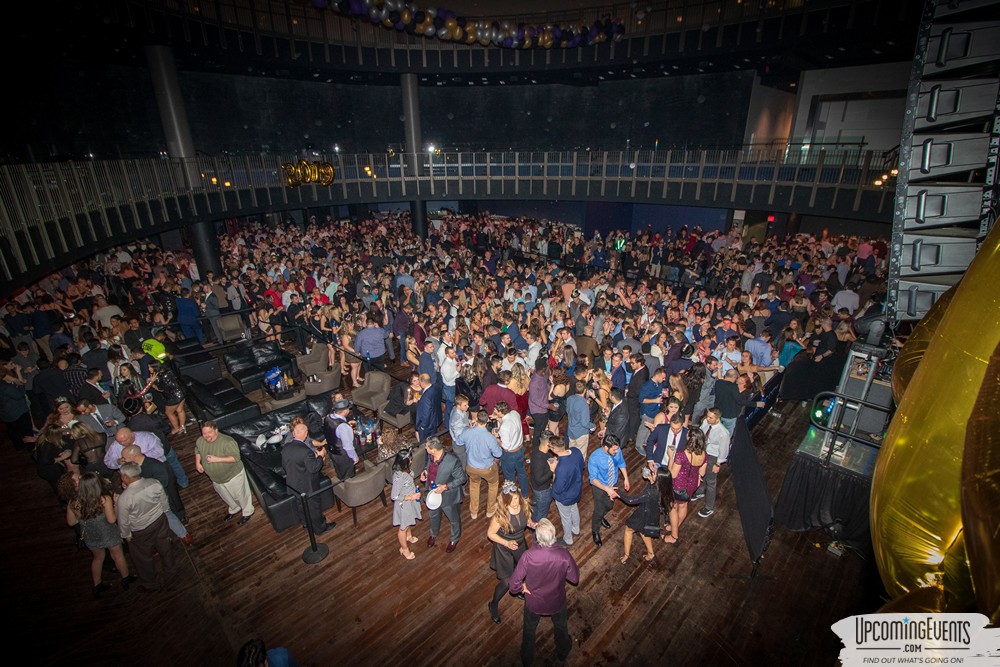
<point x="916" y="491"/>
<point x="291" y="173"/>
<point x="981" y="492"/>
<point x="406" y="15"/>
<point x="930" y="599"/>
<point x="916" y="345"/>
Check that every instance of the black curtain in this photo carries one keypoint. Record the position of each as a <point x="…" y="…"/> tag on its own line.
<point x="752" y="498"/>
<point x="816" y="496"/>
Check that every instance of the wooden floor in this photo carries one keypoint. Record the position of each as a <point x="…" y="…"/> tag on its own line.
<point x="365" y="605"/>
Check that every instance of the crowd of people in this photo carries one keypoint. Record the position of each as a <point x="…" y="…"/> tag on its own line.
<point x="524" y="339"/>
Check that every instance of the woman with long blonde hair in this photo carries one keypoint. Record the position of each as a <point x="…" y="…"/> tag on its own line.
<point x="506" y="532"/>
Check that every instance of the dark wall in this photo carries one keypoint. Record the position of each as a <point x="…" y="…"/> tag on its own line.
<point x="111" y="111"/>
<point x="71" y="111"/>
<point x="258" y="114"/>
<point x="704" y="109"/>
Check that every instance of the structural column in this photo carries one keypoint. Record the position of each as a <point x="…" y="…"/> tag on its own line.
<point x="411" y="133"/>
<point x="180" y="147"/>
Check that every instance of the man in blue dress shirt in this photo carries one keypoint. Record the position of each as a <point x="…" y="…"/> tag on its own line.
<point x="604" y="465"/>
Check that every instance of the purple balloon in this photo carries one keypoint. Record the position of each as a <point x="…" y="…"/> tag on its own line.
<point x="357" y="7"/>
<point x="508" y="42"/>
<point x="556" y="32"/>
<point x="520" y="34"/>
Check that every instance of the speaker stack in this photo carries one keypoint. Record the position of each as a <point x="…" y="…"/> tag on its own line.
<point x="946" y="186"/>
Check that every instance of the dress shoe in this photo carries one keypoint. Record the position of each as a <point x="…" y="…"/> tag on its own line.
<point x="430" y="541"/>
<point x="244" y="520"/>
<point x="188" y="539"/>
<point x="451" y="547"/>
<point x="597" y="539"/>
<point x="228" y="516"/>
<point x="605" y="524"/>
<point x="494" y="612"/>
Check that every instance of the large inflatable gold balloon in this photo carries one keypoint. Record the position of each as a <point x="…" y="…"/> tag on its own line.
<point x="929" y="599"/>
<point x="981" y="492"/>
<point x="916" y="345"/>
<point x="916" y="491"/>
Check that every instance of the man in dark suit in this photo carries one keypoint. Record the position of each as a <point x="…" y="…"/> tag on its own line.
<point x="640" y="376"/>
<point x="428" y="419"/>
<point x="444" y="474"/>
<point x="665" y="441"/>
<point x="212" y="309"/>
<point x="91" y="391"/>
<point x="302" y="464"/>
<point x="617" y="422"/>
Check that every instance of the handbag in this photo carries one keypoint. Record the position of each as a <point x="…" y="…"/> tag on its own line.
<point x="682" y="495"/>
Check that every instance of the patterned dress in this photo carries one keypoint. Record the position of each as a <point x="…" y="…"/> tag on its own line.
<point x="687" y="476"/>
<point x="404" y="512"/>
<point x="99" y="534"/>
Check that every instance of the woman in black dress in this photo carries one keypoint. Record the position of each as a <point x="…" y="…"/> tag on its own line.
<point x="165" y="382"/>
<point x="52" y="452"/>
<point x="506" y="532"/>
<point x="656" y="499"/>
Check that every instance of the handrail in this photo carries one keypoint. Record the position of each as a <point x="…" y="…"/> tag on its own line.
<point x="52" y="211"/>
<point x="304" y="22"/>
<point x="836" y="430"/>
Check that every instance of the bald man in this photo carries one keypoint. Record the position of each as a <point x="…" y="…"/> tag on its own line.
<point x="146" y="441"/>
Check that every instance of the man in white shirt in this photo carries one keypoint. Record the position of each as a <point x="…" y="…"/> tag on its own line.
<point x="534" y="349"/>
<point x="717" y="450"/>
<point x="512" y="443"/>
<point x="846" y="298"/>
<point x="449" y="374"/>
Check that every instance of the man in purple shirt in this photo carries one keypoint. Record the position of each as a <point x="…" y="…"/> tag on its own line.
<point x="541" y="575"/>
<point x="538" y="400"/>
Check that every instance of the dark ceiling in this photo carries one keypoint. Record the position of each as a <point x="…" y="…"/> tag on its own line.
<point x="779" y="48"/>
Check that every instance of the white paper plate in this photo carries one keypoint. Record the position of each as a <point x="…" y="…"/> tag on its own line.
<point x="433" y="500"/>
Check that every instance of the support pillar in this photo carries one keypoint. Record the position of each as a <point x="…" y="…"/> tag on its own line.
<point x="411" y="121"/>
<point x="180" y="147"/>
<point x="205" y="247"/>
<point x="418" y="217"/>
<point x="414" y="141"/>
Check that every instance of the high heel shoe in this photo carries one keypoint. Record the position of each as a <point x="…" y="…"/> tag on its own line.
<point x="408" y="555"/>
<point x="128" y="581"/>
<point x="183" y="430"/>
<point x="100" y="588"/>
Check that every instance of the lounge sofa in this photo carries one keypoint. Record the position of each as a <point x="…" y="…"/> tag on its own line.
<point x="248" y="364"/>
<point x="263" y="462"/>
<point x="218" y="401"/>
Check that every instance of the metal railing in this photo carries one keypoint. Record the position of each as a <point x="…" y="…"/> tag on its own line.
<point x="304" y="22"/>
<point x="51" y="211"/>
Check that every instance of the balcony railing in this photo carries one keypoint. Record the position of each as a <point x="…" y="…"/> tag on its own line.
<point x="53" y="212"/>
<point x="303" y="22"/>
